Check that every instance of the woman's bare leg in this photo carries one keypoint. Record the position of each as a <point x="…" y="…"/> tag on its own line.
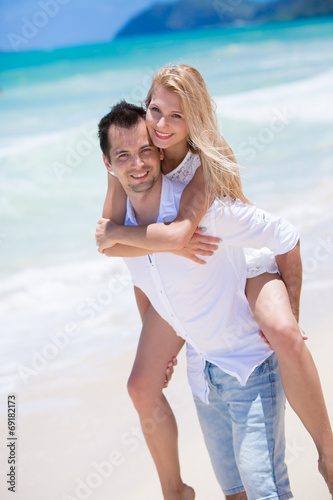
<point x="158" y="344"/>
<point x="269" y="301"/>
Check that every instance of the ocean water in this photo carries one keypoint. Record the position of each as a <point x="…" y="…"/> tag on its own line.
<point x="62" y="302"/>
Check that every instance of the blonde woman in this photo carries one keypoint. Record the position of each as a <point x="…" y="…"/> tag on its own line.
<point x="181" y="120"/>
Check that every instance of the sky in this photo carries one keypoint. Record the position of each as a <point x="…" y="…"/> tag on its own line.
<point x="46" y="24"/>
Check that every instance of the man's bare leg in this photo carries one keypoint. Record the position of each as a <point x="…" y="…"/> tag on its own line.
<point x="270" y="305"/>
<point x="237" y="496"/>
<point x="158" y="344"/>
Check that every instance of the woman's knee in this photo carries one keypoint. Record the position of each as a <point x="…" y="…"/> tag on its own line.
<point x="285" y="335"/>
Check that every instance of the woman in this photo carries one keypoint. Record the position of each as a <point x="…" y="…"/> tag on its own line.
<point x="181" y="120"/>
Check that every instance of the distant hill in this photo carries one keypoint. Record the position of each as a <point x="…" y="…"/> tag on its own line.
<point x="193" y="14"/>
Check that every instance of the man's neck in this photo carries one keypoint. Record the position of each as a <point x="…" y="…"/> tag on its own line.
<point x="147" y="205"/>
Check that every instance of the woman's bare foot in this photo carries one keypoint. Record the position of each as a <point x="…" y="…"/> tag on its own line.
<point x="326" y="470"/>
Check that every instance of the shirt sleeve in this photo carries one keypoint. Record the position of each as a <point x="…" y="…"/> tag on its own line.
<point x="247" y="226"/>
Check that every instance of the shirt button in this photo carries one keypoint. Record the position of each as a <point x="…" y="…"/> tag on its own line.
<point x="161" y="291"/>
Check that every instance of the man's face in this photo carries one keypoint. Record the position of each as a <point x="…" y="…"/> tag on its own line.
<point x="133" y="158"/>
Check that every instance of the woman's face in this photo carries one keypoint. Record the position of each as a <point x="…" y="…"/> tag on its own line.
<point x="165" y="119"/>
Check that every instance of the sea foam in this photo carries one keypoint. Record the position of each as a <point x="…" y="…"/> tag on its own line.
<point x="306" y="100"/>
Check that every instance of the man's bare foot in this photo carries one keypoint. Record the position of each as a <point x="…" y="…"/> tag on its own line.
<point x="326" y="470"/>
<point x="187" y="493"/>
<point x="237" y="496"/>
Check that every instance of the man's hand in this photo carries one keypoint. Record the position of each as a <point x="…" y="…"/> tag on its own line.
<point x="262" y="336"/>
<point x="199" y="244"/>
<point x="103" y="234"/>
<point x="169" y="371"/>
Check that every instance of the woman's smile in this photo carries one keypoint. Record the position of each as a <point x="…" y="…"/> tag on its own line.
<point x="161" y="135"/>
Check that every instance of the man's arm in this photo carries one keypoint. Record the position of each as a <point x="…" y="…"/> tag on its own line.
<point x="126" y="251"/>
<point x="115" y="201"/>
<point x="290" y="267"/>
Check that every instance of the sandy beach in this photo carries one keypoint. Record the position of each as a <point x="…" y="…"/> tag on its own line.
<point x="79" y="436"/>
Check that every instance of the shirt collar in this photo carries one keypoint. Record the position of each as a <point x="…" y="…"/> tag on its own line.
<point x="168" y="207"/>
<point x="130" y="214"/>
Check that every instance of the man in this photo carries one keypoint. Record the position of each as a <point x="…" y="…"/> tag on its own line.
<point x="233" y="374"/>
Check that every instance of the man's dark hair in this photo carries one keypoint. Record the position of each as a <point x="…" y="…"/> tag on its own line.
<point x="123" y="115"/>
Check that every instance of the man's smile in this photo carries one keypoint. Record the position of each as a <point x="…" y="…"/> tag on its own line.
<point x="140" y="176"/>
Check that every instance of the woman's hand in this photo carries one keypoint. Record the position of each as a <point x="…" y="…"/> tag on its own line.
<point x="103" y="235"/>
<point x="199" y="244"/>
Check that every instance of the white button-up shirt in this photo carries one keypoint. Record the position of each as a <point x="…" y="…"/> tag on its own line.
<point x="206" y="304"/>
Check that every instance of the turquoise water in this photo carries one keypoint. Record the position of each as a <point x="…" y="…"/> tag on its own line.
<point x="273" y="86"/>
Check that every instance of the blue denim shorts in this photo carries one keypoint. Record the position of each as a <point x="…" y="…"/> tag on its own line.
<point x="243" y="427"/>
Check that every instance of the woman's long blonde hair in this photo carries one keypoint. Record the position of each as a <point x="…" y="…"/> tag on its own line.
<point x="220" y="168"/>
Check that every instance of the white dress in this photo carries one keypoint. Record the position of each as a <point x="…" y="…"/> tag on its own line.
<point x="258" y="261"/>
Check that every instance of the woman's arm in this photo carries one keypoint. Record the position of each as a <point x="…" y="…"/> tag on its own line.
<point x="195" y="247"/>
<point x="194" y="203"/>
